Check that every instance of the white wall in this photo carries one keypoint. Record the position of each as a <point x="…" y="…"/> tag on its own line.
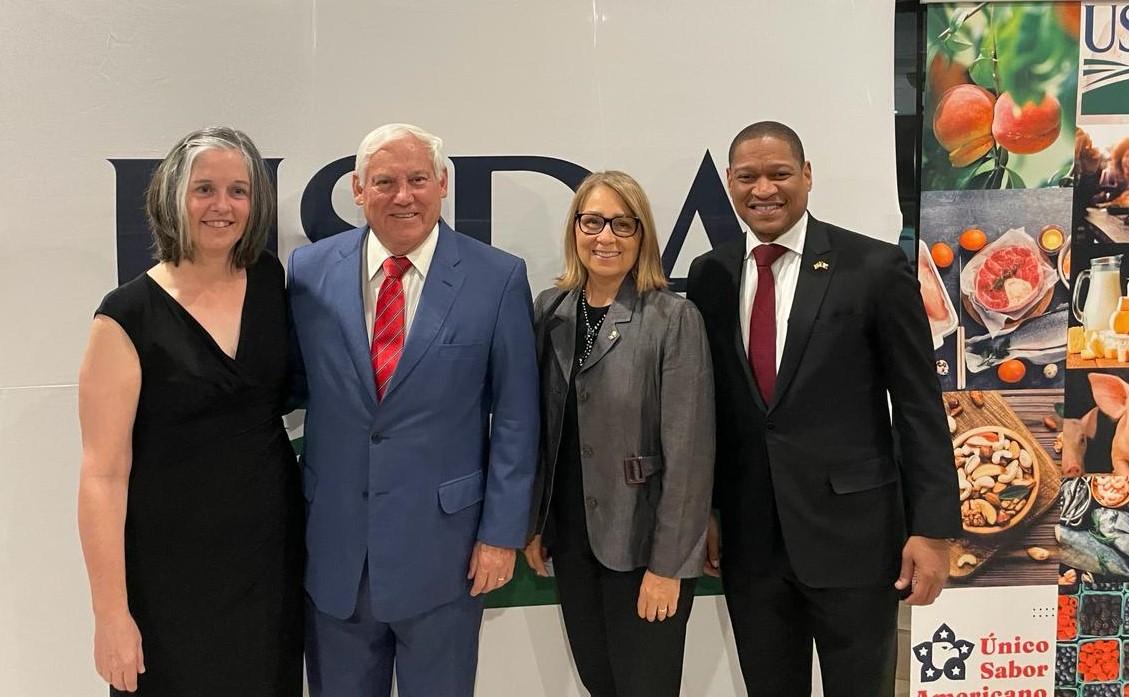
<point x="642" y="85"/>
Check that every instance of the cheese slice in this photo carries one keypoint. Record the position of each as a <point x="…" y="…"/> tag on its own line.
<point x="1075" y="339"/>
<point x="1095" y="344"/>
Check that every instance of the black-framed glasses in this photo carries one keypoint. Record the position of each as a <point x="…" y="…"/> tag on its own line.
<point x="594" y="224"/>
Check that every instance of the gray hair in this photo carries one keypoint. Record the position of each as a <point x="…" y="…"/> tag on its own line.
<point x="166" y="197"/>
<point x="387" y="133"/>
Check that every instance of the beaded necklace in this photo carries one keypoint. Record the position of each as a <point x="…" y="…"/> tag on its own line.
<point x="591" y="331"/>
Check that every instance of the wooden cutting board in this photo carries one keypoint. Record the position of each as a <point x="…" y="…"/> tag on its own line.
<point x="996" y="412"/>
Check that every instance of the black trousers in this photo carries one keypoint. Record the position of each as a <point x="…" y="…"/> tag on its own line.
<point x="775" y="619"/>
<point x="618" y="654"/>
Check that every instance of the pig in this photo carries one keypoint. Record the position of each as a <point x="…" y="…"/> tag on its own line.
<point x="1076" y="434"/>
<point x="1111" y="394"/>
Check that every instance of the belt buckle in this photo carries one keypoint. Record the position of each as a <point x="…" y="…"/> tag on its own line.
<point x="633" y="470"/>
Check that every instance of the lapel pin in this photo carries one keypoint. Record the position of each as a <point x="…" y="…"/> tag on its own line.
<point x="821" y="265"/>
<point x="614" y="334"/>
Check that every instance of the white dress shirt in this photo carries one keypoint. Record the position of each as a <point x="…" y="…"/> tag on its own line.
<point x="373" y="276"/>
<point x="785" y="271"/>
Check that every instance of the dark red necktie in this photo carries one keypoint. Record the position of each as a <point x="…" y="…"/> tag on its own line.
<point x="762" y="321"/>
<point x="388" y="323"/>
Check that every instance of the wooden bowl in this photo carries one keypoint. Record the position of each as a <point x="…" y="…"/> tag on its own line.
<point x="1115" y="500"/>
<point x="989" y="433"/>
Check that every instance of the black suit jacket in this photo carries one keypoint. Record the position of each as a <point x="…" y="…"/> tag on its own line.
<point x="822" y="463"/>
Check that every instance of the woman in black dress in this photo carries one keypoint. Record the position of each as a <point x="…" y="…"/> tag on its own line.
<point x="189" y="506"/>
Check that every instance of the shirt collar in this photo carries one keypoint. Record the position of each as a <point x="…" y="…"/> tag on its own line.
<point x="420" y="257"/>
<point x="793" y="239"/>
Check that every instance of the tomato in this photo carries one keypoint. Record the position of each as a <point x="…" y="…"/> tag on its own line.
<point x="1011" y="370"/>
<point x="973" y="239"/>
<point x="942" y="254"/>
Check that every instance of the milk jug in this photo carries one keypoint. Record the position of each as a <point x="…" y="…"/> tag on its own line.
<point x="1101" y="295"/>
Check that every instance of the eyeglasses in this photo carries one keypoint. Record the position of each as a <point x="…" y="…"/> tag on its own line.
<point x="593" y="224"/>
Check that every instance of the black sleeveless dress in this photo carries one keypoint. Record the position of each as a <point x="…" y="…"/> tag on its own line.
<point x="213" y="531"/>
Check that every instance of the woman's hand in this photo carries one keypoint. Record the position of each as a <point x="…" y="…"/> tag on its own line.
<point x="712" y="565"/>
<point x="658" y="597"/>
<point x="117" y="650"/>
<point x="535" y="556"/>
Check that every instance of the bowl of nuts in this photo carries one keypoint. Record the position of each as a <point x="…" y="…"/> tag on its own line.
<point x="998" y="478"/>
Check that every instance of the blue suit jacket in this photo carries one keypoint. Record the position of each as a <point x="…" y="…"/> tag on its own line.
<point x="446" y="458"/>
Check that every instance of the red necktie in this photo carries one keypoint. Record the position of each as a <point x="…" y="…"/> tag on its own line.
<point x="762" y="321"/>
<point x="388" y="323"/>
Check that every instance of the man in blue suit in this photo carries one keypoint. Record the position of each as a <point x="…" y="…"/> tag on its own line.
<point x="415" y="351"/>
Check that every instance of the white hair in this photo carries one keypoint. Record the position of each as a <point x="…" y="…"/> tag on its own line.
<point x="387" y="133"/>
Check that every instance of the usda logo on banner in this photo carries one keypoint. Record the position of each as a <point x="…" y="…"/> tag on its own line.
<point x="1103" y="79"/>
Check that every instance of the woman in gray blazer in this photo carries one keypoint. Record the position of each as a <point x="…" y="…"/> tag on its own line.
<point x="623" y="492"/>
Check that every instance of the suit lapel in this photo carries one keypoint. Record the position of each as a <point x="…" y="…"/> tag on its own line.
<point x="344" y="284"/>
<point x="440" y="288"/>
<point x="732" y="259"/>
<point x="816" y="266"/>
<point x="609" y="335"/>
<point x="562" y="332"/>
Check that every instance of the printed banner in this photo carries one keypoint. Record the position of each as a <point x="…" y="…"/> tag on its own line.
<point x="961" y="650"/>
<point x="1093" y="638"/>
<point x="1004" y="451"/>
<point x="994" y="262"/>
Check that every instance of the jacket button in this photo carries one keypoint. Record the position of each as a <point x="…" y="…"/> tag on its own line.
<point x="364" y="494"/>
<point x="591" y="501"/>
<point x="376" y="437"/>
<point x="770" y="426"/>
<point x="587" y="451"/>
<point x="582" y="396"/>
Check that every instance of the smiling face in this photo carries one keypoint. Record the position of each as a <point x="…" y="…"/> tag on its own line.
<point x="768" y="186"/>
<point x="401" y="194"/>
<point x="218" y="201"/>
<point x="605" y="256"/>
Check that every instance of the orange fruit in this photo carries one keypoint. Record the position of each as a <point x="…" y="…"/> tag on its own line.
<point x="942" y="254"/>
<point x="973" y="239"/>
<point x="1011" y="370"/>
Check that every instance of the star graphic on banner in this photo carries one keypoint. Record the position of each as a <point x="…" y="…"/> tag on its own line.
<point x="943" y="656"/>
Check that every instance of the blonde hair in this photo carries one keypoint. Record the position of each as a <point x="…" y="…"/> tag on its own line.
<point x="1117" y="155"/>
<point x="648" y="270"/>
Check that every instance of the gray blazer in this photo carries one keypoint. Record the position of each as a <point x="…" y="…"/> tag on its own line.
<point x="645" y="410"/>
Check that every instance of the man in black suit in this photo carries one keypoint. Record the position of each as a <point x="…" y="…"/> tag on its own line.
<point x="828" y="510"/>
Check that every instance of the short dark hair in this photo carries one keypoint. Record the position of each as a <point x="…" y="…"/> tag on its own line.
<point x="165" y="199"/>
<point x="769" y="129"/>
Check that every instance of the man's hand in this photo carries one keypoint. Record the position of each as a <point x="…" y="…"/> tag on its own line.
<point x="490" y="567"/>
<point x="535" y="556"/>
<point x="712" y="565"/>
<point x="925" y="566"/>
<point x="658" y="597"/>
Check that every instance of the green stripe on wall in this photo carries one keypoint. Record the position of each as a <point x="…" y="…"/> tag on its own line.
<point x="528" y="589"/>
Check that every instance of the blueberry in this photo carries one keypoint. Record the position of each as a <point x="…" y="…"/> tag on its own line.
<point x="1066" y="664"/>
